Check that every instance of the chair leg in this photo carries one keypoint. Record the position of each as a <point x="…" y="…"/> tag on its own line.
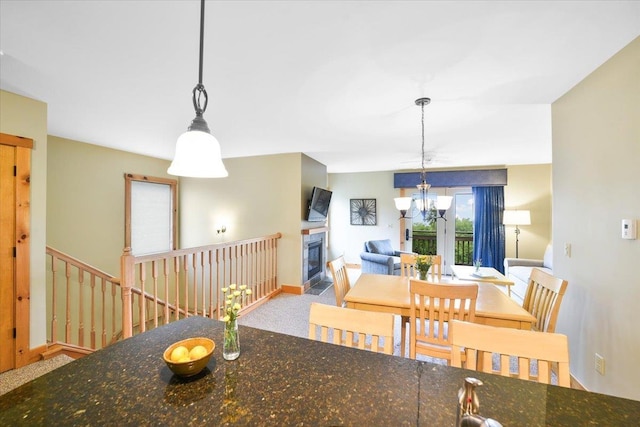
<point x="404" y="320"/>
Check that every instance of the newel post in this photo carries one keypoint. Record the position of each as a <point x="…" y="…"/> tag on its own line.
<point x="127" y="269"/>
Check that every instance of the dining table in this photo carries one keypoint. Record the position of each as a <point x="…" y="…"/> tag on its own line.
<point x="390" y="294"/>
<point x="283" y="380"/>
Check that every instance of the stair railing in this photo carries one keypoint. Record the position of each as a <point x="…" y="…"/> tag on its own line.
<point x="153" y="289"/>
<point x="190" y="280"/>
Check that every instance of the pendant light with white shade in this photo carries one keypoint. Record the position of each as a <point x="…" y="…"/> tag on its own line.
<point x="198" y="152"/>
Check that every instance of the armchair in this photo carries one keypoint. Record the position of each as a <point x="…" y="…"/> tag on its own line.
<point x="379" y="257"/>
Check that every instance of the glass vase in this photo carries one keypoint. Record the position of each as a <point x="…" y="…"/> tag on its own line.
<point x="423" y="275"/>
<point x="231" y="345"/>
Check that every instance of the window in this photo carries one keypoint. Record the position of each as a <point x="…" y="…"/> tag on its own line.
<point x="150" y="214"/>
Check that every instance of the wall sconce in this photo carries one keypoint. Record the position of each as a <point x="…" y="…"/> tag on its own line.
<point x="403" y="204"/>
<point x="222" y="229"/>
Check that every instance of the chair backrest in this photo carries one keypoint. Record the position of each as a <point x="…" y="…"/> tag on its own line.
<point x="480" y="342"/>
<point x="367" y="330"/>
<point x="433" y="305"/>
<point x="341" y="284"/>
<point x="408" y="266"/>
<point x="543" y="298"/>
<point x="436" y="267"/>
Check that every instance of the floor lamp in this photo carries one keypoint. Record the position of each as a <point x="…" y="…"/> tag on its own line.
<point x="516" y="217"/>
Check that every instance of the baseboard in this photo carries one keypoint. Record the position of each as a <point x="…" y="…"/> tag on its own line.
<point x="35" y="354"/>
<point x="576" y="384"/>
<point x="293" y="289"/>
<point x="70" y="350"/>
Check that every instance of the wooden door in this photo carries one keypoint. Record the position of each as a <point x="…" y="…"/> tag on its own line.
<point x="15" y="163"/>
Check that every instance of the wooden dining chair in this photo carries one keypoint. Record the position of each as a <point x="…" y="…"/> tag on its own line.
<point x="408" y="266"/>
<point x="478" y="343"/>
<point x="366" y="330"/>
<point x="436" y="267"/>
<point x="341" y="284"/>
<point x="433" y="305"/>
<point x="542" y="299"/>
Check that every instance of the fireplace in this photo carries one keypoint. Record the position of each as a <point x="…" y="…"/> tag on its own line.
<point x="314" y="264"/>
<point x="314" y="255"/>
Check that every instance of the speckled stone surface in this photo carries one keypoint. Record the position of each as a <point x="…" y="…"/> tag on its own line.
<point x="282" y="380"/>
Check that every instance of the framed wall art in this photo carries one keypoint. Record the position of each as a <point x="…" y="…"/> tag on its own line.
<point x="363" y="211"/>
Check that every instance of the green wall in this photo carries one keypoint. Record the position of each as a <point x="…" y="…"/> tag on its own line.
<point x="85" y="209"/>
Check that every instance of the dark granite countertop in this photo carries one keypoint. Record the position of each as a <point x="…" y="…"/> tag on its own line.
<point x="283" y="380"/>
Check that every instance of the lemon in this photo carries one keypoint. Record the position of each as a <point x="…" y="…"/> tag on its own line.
<point x="184" y="359"/>
<point x="197" y="352"/>
<point x="179" y="353"/>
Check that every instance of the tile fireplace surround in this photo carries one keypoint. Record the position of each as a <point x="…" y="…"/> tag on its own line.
<point x="309" y="237"/>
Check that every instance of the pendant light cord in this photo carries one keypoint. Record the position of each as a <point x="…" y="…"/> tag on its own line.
<point x="199" y="91"/>
<point x="424" y="178"/>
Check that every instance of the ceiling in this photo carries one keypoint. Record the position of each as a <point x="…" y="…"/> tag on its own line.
<point x="336" y="80"/>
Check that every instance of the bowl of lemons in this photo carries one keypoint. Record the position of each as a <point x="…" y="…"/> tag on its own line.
<point x="188" y="357"/>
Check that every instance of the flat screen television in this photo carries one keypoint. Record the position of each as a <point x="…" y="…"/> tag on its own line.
<point x="319" y="205"/>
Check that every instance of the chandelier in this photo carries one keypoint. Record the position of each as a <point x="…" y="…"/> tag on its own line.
<point x="422" y="203"/>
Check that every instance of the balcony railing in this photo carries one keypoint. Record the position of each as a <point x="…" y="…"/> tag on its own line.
<point x="425" y="242"/>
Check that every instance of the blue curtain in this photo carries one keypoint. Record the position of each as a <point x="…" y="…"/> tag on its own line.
<point x="488" y="231"/>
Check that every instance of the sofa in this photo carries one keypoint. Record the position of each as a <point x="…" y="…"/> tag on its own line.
<point x="379" y="257"/>
<point x="519" y="270"/>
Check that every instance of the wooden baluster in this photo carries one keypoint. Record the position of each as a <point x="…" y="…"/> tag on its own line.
<point x="67" y="331"/>
<point x="198" y="286"/>
<point x="113" y="313"/>
<point x="176" y="271"/>
<point x="127" y="269"/>
<point x="142" y="319"/>
<point x="185" y="275"/>
<point x="92" y="333"/>
<point x="212" y="286"/>
<point x="103" y="298"/>
<point x="165" y="266"/>
<point x="54" y="299"/>
<point x="154" y="275"/>
<point x="81" y="307"/>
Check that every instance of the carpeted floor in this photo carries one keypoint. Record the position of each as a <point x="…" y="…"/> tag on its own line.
<point x="16" y="377"/>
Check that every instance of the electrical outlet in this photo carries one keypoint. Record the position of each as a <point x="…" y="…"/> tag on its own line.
<point x="599" y="364"/>
<point x="567" y="250"/>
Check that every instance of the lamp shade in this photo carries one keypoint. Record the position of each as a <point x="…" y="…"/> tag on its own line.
<point x="516" y="217"/>
<point x="403" y="203"/>
<point x="443" y="202"/>
<point x="198" y="156"/>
